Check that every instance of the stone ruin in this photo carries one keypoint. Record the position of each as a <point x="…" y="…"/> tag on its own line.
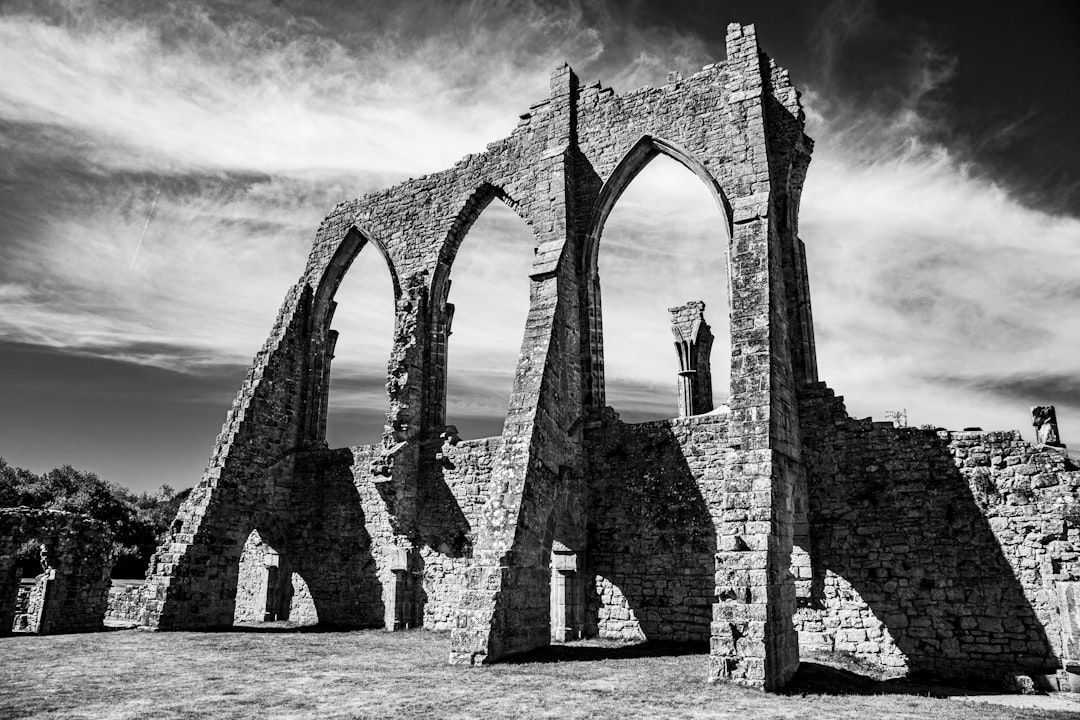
<point x="772" y="523"/>
<point x="72" y="592"/>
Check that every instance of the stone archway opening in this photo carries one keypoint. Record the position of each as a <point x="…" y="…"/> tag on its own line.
<point x="267" y="588"/>
<point x="31" y="573"/>
<point x="489" y="304"/>
<point x="662" y="263"/>
<point x="363" y="320"/>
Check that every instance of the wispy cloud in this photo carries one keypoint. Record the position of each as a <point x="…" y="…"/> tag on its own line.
<point x="406" y="89"/>
<point x="934" y="288"/>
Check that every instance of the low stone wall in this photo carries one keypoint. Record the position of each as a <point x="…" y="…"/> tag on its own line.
<point x="949" y="553"/>
<point x="125" y="604"/>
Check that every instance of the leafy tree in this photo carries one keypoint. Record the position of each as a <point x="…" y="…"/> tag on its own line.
<point x="137" y="521"/>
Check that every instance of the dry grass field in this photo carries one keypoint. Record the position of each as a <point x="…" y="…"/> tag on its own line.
<point x="374" y="674"/>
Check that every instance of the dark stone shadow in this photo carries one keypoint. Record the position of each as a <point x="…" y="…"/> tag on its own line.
<point x="591" y="652"/>
<point x="329" y="544"/>
<point x="440" y="522"/>
<point x="818" y="679"/>
<point x="651" y="533"/>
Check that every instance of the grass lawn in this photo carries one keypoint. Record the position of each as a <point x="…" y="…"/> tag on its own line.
<point x="375" y="674"/>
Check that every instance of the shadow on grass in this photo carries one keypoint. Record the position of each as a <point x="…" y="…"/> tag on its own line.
<point x="592" y="652"/>
<point x="102" y="629"/>
<point x="818" y="679"/>
<point x="278" y="626"/>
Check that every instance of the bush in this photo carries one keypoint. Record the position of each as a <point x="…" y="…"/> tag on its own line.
<point x="137" y="521"/>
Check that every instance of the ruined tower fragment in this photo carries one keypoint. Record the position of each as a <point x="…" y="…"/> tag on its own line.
<point x="693" y="345"/>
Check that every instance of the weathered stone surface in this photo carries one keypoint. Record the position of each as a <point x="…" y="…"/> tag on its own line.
<point x="693" y="345"/>
<point x="1044" y="418"/>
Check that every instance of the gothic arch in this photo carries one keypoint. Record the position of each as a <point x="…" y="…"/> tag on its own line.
<point x="347" y="251"/>
<point x="632" y="163"/>
<point x="441" y="313"/>
<point x="321" y="338"/>
<point x="477" y="202"/>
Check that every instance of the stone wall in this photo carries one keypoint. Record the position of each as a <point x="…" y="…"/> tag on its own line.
<point x="76" y="553"/>
<point x="28" y="606"/>
<point x="936" y="551"/>
<point x="428" y="565"/>
<point x="691" y="524"/>
<point x="125" y="604"/>
<point x="652" y="539"/>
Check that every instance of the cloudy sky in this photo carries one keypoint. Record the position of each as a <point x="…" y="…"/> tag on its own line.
<point x="163" y="167"/>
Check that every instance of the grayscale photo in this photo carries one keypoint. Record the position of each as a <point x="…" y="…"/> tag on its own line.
<point x="568" y="359"/>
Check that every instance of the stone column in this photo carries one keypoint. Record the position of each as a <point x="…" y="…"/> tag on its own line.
<point x="567" y="597"/>
<point x="693" y="344"/>
<point x="401" y="593"/>
<point x="270" y="590"/>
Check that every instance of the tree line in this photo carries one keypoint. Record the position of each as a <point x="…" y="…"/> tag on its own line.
<point x="137" y="521"/>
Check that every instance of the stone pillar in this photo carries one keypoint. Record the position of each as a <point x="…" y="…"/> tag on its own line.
<point x="437" y="365"/>
<point x="401" y="593"/>
<point x="753" y="638"/>
<point x="693" y="344"/>
<point x="324" y="396"/>
<point x="567" y="597"/>
<point x="270" y="590"/>
<point x="1044" y="418"/>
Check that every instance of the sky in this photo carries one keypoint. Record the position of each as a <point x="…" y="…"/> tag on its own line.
<point x="163" y="168"/>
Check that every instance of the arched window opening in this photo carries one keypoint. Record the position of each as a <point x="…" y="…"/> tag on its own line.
<point x="364" y="320"/>
<point x="267" y="589"/>
<point x="663" y="247"/>
<point x="490" y="293"/>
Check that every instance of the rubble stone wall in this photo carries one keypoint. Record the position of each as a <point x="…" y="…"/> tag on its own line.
<point x="652" y="537"/>
<point x="935" y="551"/>
<point x="72" y="594"/>
<point x="907" y="563"/>
<point x="125" y="604"/>
<point x="454" y="484"/>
